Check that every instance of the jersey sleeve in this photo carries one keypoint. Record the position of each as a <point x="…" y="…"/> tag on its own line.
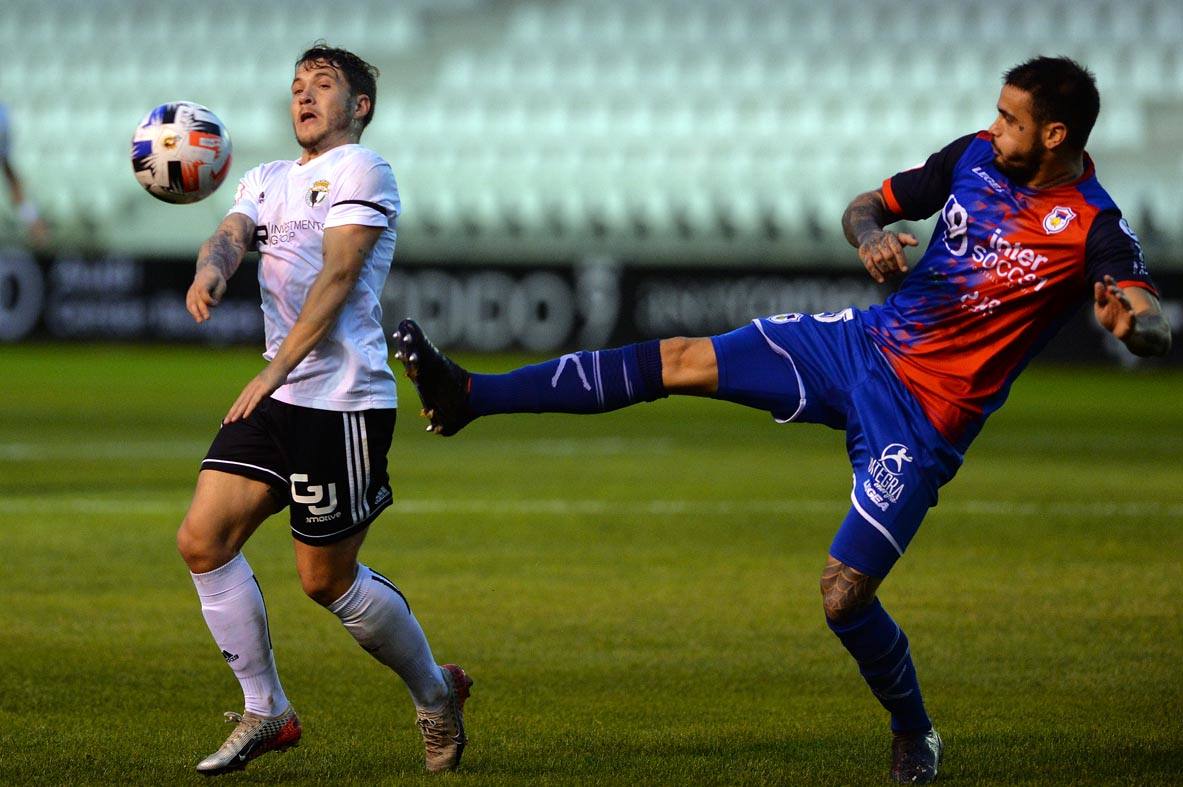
<point x="246" y="196"/>
<point x="919" y="192"/>
<point x="1112" y="248"/>
<point x="367" y="195"/>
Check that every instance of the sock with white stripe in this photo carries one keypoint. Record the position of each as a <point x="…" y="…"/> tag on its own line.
<point x="378" y="616"/>
<point x="881" y="649"/>
<point x="583" y="382"/>
<point x="233" y="607"/>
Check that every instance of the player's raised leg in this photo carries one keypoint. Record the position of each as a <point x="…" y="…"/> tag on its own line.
<point x="378" y="616"/>
<point x="583" y="382"/>
<point x="225" y="511"/>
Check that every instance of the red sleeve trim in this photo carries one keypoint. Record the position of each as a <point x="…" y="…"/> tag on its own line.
<point x="1144" y="285"/>
<point x="889" y="197"/>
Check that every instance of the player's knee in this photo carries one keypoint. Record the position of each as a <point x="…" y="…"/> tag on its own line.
<point x="842" y="599"/>
<point x="677" y="354"/>
<point x="323" y="586"/>
<point x="839" y="607"/>
<point x="194" y="552"/>
<point x="201" y="553"/>
<point x="689" y="365"/>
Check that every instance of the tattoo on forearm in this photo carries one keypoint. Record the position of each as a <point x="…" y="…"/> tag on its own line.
<point x="845" y="590"/>
<point x="221" y="251"/>
<point x="865" y="213"/>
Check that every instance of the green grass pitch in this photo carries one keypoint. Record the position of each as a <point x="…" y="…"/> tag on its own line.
<point x="635" y="594"/>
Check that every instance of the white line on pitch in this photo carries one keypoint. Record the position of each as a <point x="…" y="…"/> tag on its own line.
<point x="153" y="505"/>
<point x="164" y="449"/>
<point x="102" y="449"/>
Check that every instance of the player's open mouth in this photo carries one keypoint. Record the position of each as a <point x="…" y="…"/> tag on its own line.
<point x="306" y="116"/>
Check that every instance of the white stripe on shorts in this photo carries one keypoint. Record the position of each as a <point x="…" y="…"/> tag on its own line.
<point x="348" y="424"/>
<point x="365" y="460"/>
<point x="245" y="464"/>
<point x="776" y="348"/>
<point x="875" y="524"/>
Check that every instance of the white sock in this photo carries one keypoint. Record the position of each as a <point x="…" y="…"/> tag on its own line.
<point x="232" y="605"/>
<point x="379" y="618"/>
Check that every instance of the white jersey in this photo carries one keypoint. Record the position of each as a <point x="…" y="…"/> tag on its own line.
<point x="292" y="204"/>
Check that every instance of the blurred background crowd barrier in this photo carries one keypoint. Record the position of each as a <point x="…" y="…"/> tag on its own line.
<point x="560" y="153"/>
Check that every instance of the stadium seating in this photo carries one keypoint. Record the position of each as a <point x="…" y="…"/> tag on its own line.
<point x="657" y="129"/>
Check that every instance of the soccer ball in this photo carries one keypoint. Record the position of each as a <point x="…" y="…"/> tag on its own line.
<point x="180" y="152"/>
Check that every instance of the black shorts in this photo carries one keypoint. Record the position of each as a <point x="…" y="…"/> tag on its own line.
<point x="329" y="466"/>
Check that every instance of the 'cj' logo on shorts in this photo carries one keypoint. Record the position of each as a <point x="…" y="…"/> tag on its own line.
<point x="884" y="486"/>
<point x="315" y="494"/>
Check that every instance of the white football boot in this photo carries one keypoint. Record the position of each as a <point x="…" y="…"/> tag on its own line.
<point x="253" y="736"/>
<point x="443" y="730"/>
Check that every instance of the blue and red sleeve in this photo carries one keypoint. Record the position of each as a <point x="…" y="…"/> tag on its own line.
<point x="1112" y="248"/>
<point x="919" y="192"/>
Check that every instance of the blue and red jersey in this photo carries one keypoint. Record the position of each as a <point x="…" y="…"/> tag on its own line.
<point x="1005" y="268"/>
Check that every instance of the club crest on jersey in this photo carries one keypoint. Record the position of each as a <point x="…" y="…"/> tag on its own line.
<point x="884" y="486"/>
<point x="320" y="190"/>
<point x="1057" y="221"/>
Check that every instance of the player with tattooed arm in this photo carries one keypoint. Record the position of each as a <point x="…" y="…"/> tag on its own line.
<point x="310" y="432"/>
<point x="1025" y="234"/>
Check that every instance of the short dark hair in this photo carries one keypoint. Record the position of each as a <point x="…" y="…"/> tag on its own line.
<point x="1062" y="91"/>
<point x="361" y="76"/>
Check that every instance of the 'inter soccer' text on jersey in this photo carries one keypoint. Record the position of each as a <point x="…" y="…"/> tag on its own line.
<point x="1005" y="269"/>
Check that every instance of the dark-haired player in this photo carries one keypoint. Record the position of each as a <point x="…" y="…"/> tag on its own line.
<point x="311" y="430"/>
<point x="1025" y="235"/>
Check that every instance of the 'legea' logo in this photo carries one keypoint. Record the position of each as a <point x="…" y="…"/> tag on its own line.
<point x="315" y="494"/>
<point x="884" y="487"/>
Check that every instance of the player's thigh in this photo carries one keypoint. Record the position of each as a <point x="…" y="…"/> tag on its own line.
<point x="899" y="463"/>
<point x="226" y="509"/>
<point x="871" y="539"/>
<point x="790" y="365"/>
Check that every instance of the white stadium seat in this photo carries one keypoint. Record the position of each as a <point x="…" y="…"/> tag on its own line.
<point x="521" y="115"/>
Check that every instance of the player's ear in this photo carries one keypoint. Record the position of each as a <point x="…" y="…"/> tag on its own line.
<point x="361" y="106"/>
<point x="1055" y="134"/>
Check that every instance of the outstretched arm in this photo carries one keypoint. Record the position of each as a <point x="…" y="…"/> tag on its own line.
<point x="345" y="252"/>
<point x="26" y="210"/>
<point x="882" y="252"/>
<point x="14" y="182"/>
<point x="1134" y="316"/>
<point x="217" y="261"/>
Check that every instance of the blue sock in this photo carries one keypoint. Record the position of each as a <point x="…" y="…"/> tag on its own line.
<point x="582" y="382"/>
<point x="880" y="647"/>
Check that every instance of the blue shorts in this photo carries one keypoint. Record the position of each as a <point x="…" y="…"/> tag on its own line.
<point x="824" y="369"/>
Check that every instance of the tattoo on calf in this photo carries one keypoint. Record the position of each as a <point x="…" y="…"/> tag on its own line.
<point x="845" y="590"/>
